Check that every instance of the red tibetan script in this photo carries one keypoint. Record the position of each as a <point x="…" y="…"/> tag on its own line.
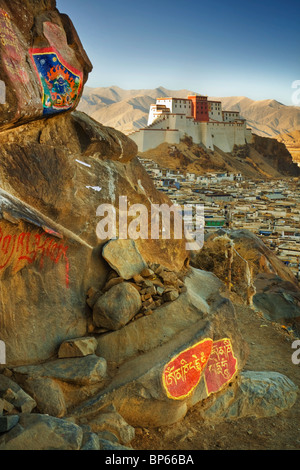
<point x="182" y="374"/>
<point x="221" y="366"/>
<point x="29" y="247"/>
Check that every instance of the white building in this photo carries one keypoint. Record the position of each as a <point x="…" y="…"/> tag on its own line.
<point x="172" y="119"/>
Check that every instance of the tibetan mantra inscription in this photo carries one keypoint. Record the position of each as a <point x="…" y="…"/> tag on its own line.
<point x="221" y="366"/>
<point x="61" y="83"/>
<point x="19" y="250"/>
<point x="182" y="374"/>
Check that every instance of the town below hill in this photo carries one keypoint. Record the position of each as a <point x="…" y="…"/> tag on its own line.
<point x="268" y="208"/>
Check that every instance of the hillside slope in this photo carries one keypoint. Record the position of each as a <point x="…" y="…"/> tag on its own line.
<point x="292" y="142"/>
<point x="264" y="158"/>
<point x="127" y="110"/>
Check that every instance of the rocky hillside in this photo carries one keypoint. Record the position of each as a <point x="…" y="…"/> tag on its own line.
<point x="127" y="110"/>
<point x="100" y="333"/>
<point x="292" y="142"/>
<point x="264" y="158"/>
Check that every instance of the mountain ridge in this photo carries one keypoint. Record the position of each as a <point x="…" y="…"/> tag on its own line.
<point x="127" y="110"/>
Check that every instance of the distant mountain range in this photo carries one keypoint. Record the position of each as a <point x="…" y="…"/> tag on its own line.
<point x="127" y="110"/>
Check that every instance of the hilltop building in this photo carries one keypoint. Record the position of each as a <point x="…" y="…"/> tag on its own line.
<point x="171" y="119"/>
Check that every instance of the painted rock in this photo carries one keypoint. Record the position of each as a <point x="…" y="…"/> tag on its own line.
<point x="182" y="374"/>
<point x="43" y="65"/>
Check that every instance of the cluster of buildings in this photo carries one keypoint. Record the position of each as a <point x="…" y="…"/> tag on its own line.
<point x="172" y="119"/>
<point x="269" y="209"/>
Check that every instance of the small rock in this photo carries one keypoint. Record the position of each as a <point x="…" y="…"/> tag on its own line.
<point x="8" y="422"/>
<point x="15" y="397"/>
<point x="151" y="290"/>
<point x="159" y="269"/>
<point x="90" y="441"/>
<point x="145" y="297"/>
<point x="160" y="290"/>
<point x="78" y="347"/>
<point x="170" y="296"/>
<point x="169" y="278"/>
<point x="157" y="283"/>
<point x="138" y="279"/>
<point x="147" y="303"/>
<point x="147" y="272"/>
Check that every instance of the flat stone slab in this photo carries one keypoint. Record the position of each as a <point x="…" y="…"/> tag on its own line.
<point x="124" y="257"/>
<point x="77" y="347"/>
<point x="82" y="370"/>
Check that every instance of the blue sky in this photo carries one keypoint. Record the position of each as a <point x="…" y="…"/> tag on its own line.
<point x="218" y="48"/>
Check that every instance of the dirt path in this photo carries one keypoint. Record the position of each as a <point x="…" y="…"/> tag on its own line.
<point x="270" y="350"/>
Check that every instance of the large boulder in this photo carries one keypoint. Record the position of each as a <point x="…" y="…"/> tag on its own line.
<point x="258" y="394"/>
<point x="42" y="432"/>
<point x="43" y="65"/>
<point x="117" y="307"/>
<point x="278" y="300"/>
<point x="54" y="175"/>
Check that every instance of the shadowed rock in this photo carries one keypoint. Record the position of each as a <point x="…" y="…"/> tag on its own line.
<point x="116" y="307"/>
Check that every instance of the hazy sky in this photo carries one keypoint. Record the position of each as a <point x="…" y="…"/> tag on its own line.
<point x="217" y="47"/>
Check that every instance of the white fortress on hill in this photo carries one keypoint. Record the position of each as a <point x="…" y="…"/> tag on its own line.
<point x="172" y="119"/>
